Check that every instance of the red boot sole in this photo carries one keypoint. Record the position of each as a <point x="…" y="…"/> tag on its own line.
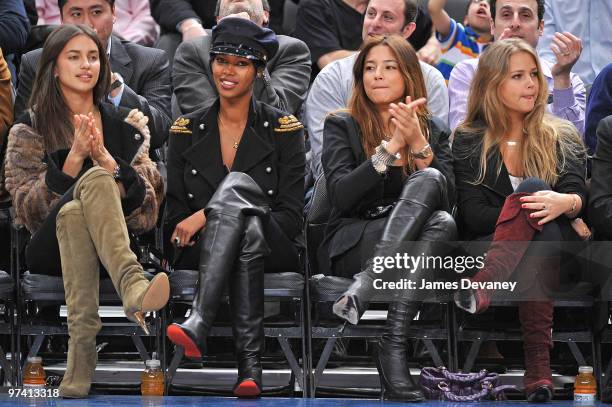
<point x="180" y="338"/>
<point x="247" y="389"/>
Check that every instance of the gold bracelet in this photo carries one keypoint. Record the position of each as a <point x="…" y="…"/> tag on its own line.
<point x="574" y="203"/>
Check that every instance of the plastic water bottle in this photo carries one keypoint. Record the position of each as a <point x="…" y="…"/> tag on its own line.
<point x="152" y="379"/>
<point x="585" y="386"/>
<point x="34" y="376"/>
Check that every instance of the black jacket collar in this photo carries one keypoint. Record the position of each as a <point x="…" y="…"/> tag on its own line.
<point x="205" y="151"/>
<point x="120" y="138"/>
<point x="497" y="179"/>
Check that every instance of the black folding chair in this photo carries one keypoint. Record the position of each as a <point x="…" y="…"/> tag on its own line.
<point x="35" y="289"/>
<point x="326" y="289"/>
<point x="287" y="288"/>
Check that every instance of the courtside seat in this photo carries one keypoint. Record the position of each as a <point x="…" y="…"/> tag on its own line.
<point x="184" y="284"/>
<point x="41" y="287"/>
<point x="287" y="289"/>
<point x="7" y="296"/>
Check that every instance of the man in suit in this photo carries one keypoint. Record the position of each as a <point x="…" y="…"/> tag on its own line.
<point x="182" y="20"/>
<point x="284" y="83"/>
<point x="141" y="76"/>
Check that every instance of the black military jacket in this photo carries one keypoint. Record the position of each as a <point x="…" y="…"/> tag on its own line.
<point x="271" y="151"/>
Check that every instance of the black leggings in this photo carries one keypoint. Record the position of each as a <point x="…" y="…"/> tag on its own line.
<point x="42" y="252"/>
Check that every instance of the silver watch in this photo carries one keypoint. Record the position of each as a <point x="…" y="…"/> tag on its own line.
<point x="424" y="153"/>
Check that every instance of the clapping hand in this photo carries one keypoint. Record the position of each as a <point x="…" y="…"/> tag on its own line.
<point x="99" y="153"/>
<point x="81" y="146"/>
<point x="406" y="122"/>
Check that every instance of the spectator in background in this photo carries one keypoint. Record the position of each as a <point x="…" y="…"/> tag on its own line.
<point x="133" y="21"/>
<point x="141" y="76"/>
<point x="30" y="8"/>
<point x="460" y="41"/>
<point x="14" y="30"/>
<point x="588" y="20"/>
<point x="599" y="106"/>
<point x="332" y="87"/>
<point x="182" y="20"/>
<point x="6" y="119"/>
<point x="600" y="204"/>
<point x="332" y="30"/>
<point x="524" y="19"/>
<point x="6" y="104"/>
<point x="282" y="84"/>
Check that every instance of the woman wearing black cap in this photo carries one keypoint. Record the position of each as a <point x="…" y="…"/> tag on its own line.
<point x="235" y="197"/>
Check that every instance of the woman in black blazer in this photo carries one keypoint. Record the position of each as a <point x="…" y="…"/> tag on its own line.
<point x="520" y="177"/>
<point x="235" y="197"/>
<point x="389" y="175"/>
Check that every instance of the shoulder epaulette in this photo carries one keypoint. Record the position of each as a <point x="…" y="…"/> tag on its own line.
<point x="288" y="123"/>
<point x="180" y="126"/>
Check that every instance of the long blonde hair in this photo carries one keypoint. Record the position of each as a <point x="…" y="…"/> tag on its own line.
<point x="364" y="111"/>
<point x="549" y="143"/>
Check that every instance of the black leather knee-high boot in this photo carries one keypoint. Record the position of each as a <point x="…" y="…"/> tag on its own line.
<point x="391" y="354"/>
<point x="236" y="198"/>
<point x="423" y="193"/>
<point x="247" y="304"/>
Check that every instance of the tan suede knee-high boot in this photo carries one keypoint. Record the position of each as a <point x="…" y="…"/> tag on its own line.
<point x="81" y="275"/>
<point x="100" y="198"/>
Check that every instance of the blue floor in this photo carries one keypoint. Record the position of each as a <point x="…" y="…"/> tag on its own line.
<point x="188" y="401"/>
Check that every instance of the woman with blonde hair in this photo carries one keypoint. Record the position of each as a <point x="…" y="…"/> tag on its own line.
<point x="520" y="178"/>
<point x="388" y="169"/>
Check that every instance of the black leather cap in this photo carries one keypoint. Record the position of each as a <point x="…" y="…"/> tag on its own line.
<point x="243" y="38"/>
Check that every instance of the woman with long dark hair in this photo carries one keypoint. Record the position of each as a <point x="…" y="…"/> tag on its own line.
<point x="389" y="175"/>
<point x="520" y="178"/>
<point x="235" y="197"/>
<point x="79" y="174"/>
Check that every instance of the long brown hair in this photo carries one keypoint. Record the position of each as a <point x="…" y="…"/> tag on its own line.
<point x="52" y="117"/>
<point x="364" y="111"/>
<point x="549" y="142"/>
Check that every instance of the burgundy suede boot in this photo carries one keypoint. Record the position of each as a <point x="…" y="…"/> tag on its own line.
<point x="536" y="323"/>
<point x="513" y="234"/>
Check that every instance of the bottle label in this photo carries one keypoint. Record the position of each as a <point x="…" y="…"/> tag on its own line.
<point x="33" y="386"/>
<point x="584" y="398"/>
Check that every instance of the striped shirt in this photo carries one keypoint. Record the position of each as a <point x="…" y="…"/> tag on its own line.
<point x="460" y="43"/>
